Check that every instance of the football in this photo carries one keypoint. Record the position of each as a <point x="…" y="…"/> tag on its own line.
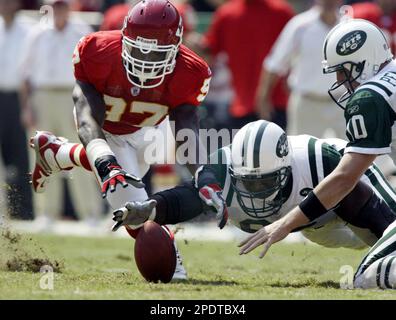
<point x="155" y="254"/>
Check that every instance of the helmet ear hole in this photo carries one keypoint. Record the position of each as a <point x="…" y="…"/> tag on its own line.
<point x="359" y="67"/>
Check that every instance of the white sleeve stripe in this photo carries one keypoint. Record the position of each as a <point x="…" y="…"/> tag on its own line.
<point x="384" y="184"/>
<point x="319" y="161"/>
<point x="368" y="150"/>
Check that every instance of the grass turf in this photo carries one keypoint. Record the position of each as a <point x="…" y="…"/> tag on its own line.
<point x="103" y="268"/>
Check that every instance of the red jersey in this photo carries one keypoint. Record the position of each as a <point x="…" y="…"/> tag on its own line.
<point x="245" y="31"/>
<point x="97" y="60"/>
<point x="373" y="13"/>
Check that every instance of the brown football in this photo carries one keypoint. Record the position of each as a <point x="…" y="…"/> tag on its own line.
<point x="155" y="254"/>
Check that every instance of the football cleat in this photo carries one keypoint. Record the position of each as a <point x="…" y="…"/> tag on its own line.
<point x="180" y="271"/>
<point x="46" y="146"/>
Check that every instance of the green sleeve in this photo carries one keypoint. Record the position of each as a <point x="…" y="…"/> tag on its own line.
<point x="218" y="163"/>
<point x="330" y="157"/>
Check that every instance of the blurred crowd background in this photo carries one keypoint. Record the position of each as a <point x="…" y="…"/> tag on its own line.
<point x="265" y="57"/>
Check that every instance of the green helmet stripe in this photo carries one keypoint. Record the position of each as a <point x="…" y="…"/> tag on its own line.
<point x="312" y="161"/>
<point x="257" y="143"/>
<point x="245" y="146"/>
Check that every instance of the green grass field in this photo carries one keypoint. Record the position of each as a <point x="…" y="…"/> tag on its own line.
<point x="103" y="268"/>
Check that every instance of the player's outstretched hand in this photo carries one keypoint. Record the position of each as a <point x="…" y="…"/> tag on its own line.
<point x="112" y="174"/>
<point x="116" y="176"/>
<point x="266" y="236"/>
<point x="211" y="196"/>
<point x="134" y="214"/>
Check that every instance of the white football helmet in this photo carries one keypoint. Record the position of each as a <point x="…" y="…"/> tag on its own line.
<point x="260" y="167"/>
<point x="358" y="48"/>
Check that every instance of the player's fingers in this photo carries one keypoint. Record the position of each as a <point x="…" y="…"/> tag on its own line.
<point x="247" y="239"/>
<point x="223" y="219"/>
<point x="135" y="181"/>
<point x="104" y="189"/>
<point x="267" y="245"/>
<point x="116" y="226"/>
<point x="252" y="245"/>
<point x="131" y="206"/>
<point x="121" y="179"/>
<point x="117" y="215"/>
<point x="254" y="241"/>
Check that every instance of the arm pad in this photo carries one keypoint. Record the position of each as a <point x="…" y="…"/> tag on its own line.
<point x="178" y="204"/>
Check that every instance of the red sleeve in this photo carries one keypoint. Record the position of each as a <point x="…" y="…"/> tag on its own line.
<point x="199" y="88"/>
<point x="79" y="59"/>
<point x="191" y="85"/>
<point x="92" y="58"/>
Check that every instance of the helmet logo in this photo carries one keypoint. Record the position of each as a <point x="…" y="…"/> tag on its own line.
<point x="146" y="45"/>
<point x="282" y="147"/>
<point x="351" y="42"/>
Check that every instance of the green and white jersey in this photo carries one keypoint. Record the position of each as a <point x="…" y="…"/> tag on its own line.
<point x="370" y="115"/>
<point x="312" y="160"/>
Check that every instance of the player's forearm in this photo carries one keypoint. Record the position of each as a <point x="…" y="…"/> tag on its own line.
<point x="326" y="195"/>
<point x="88" y="128"/>
<point x="343" y="179"/>
<point x="336" y="186"/>
<point x="295" y="219"/>
<point x="90" y="113"/>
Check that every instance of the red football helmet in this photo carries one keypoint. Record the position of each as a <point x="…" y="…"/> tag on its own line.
<point x="151" y="37"/>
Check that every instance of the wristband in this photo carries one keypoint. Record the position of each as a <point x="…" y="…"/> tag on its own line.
<point x="97" y="148"/>
<point x="312" y="207"/>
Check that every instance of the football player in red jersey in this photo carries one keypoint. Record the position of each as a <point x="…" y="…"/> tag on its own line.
<point x="128" y="82"/>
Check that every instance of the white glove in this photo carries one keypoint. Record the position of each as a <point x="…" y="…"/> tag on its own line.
<point x="134" y="214"/>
